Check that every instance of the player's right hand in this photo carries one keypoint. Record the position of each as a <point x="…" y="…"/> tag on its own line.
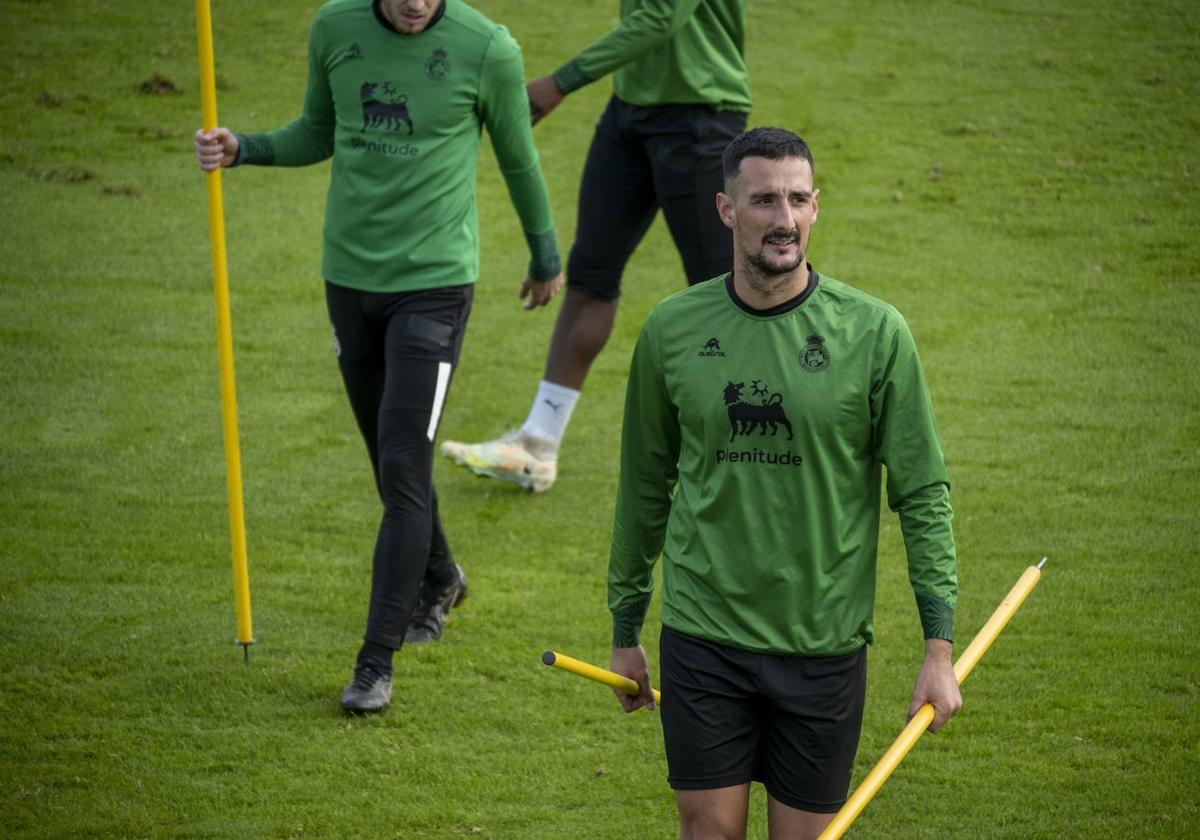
<point x="215" y="148"/>
<point x="631" y="662"/>
<point x="544" y="97"/>
<point x="537" y="293"/>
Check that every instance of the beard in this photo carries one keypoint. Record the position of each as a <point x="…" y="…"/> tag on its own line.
<point x="772" y="267"/>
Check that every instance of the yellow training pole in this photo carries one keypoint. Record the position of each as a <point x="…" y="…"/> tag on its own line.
<point x="216" y="224"/>
<point x="600" y="675"/>
<point x="924" y="716"/>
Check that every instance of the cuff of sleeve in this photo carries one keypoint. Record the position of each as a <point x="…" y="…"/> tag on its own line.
<point x="937" y="617"/>
<point x="254" y="149"/>
<point x="544" y="261"/>
<point x="627" y="623"/>
<point x="570" y="77"/>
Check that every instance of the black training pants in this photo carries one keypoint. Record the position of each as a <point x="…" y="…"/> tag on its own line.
<point x="396" y="352"/>
<point x="643" y="159"/>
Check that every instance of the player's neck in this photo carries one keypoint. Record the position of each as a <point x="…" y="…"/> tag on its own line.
<point x="759" y="290"/>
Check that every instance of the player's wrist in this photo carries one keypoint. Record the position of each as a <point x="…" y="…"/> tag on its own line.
<point x="570" y="77"/>
<point x="544" y="261"/>
<point x="627" y="624"/>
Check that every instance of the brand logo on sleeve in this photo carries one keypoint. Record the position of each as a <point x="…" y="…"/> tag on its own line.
<point x="814" y="358"/>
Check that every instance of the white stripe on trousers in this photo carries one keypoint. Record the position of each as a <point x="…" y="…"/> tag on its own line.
<point x="439" y="398"/>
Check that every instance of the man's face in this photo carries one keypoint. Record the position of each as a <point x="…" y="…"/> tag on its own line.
<point x="409" y="16"/>
<point x="771" y="206"/>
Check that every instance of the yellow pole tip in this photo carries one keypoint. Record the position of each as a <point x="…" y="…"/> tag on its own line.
<point x="548" y="657"/>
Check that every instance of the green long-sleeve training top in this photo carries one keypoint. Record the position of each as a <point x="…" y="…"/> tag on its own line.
<point x="752" y="455"/>
<point x="670" y="52"/>
<point x="401" y="115"/>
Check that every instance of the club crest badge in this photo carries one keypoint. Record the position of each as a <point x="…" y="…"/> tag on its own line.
<point x="814" y="358"/>
<point x="438" y="65"/>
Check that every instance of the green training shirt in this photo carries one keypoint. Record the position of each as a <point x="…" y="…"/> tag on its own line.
<point x="670" y="52"/>
<point x="752" y="455"/>
<point x="401" y="116"/>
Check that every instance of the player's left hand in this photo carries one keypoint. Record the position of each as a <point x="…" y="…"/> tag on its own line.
<point x="537" y="293"/>
<point x="544" y="97"/>
<point x="936" y="684"/>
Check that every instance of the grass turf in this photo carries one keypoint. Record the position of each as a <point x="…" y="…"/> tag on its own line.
<point x="1019" y="178"/>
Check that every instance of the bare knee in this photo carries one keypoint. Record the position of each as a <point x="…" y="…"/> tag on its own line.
<point x="787" y="823"/>
<point x="718" y="814"/>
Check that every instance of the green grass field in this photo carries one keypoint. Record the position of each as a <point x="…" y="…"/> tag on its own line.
<point x="1021" y="179"/>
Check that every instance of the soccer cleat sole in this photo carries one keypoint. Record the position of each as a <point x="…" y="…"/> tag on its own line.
<point x="525" y="482"/>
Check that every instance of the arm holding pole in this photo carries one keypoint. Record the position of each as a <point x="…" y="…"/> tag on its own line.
<point x="591" y="672"/>
<point x="924" y="716"/>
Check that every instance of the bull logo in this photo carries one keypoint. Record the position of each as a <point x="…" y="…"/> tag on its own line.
<point x="388" y="114"/>
<point x="712" y="347"/>
<point x="767" y="416"/>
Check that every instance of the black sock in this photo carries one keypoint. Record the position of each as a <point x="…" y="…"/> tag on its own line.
<point x="377" y="656"/>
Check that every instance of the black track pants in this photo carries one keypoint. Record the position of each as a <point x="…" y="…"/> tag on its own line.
<point x="642" y="160"/>
<point x="396" y="352"/>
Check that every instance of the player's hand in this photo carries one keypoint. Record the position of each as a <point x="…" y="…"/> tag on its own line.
<point x="215" y="148"/>
<point x="544" y="97"/>
<point x="936" y="684"/>
<point x="631" y="662"/>
<point x="537" y="293"/>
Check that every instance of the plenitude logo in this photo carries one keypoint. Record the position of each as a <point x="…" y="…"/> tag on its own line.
<point x="764" y="414"/>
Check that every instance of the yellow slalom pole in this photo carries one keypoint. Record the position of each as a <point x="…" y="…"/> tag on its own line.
<point x="216" y="224"/>
<point x="566" y="663"/>
<point x="924" y="716"/>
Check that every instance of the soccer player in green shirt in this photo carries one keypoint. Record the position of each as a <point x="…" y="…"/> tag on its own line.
<point x="397" y="93"/>
<point x="762" y="411"/>
<point x="680" y="94"/>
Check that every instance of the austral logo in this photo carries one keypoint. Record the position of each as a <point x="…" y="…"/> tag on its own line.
<point x="438" y="65"/>
<point x="814" y="357"/>
<point x="387" y="113"/>
<point x="765" y="413"/>
<point x="712" y="347"/>
<point x="353" y="51"/>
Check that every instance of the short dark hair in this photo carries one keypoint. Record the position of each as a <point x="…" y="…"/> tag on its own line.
<point x="766" y="142"/>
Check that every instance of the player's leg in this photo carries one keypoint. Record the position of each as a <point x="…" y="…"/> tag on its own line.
<point x="616" y="207"/>
<point x="358" y="345"/>
<point x="787" y="823"/>
<point x="718" y="814"/>
<point x="445" y="583"/>
<point x="685" y="144"/>
<point x="419" y="349"/>
<point x="813" y="726"/>
<point x="711" y="732"/>
<point x="358" y="340"/>
<point x="424" y="336"/>
<point x="443" y="589"/>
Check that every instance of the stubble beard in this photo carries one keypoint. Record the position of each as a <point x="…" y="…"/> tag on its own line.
<point x="766" y="276"/>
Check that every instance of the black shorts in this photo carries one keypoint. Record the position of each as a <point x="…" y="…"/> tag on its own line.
<point x="731" y="716"/>
<point x="643" y="159"/>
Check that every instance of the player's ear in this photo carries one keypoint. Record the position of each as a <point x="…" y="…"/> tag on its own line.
<point x="725" y="209"/>
<point x="816" y="195"/>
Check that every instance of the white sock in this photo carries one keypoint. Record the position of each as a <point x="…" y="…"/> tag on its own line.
<point x="550" y="413"/>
